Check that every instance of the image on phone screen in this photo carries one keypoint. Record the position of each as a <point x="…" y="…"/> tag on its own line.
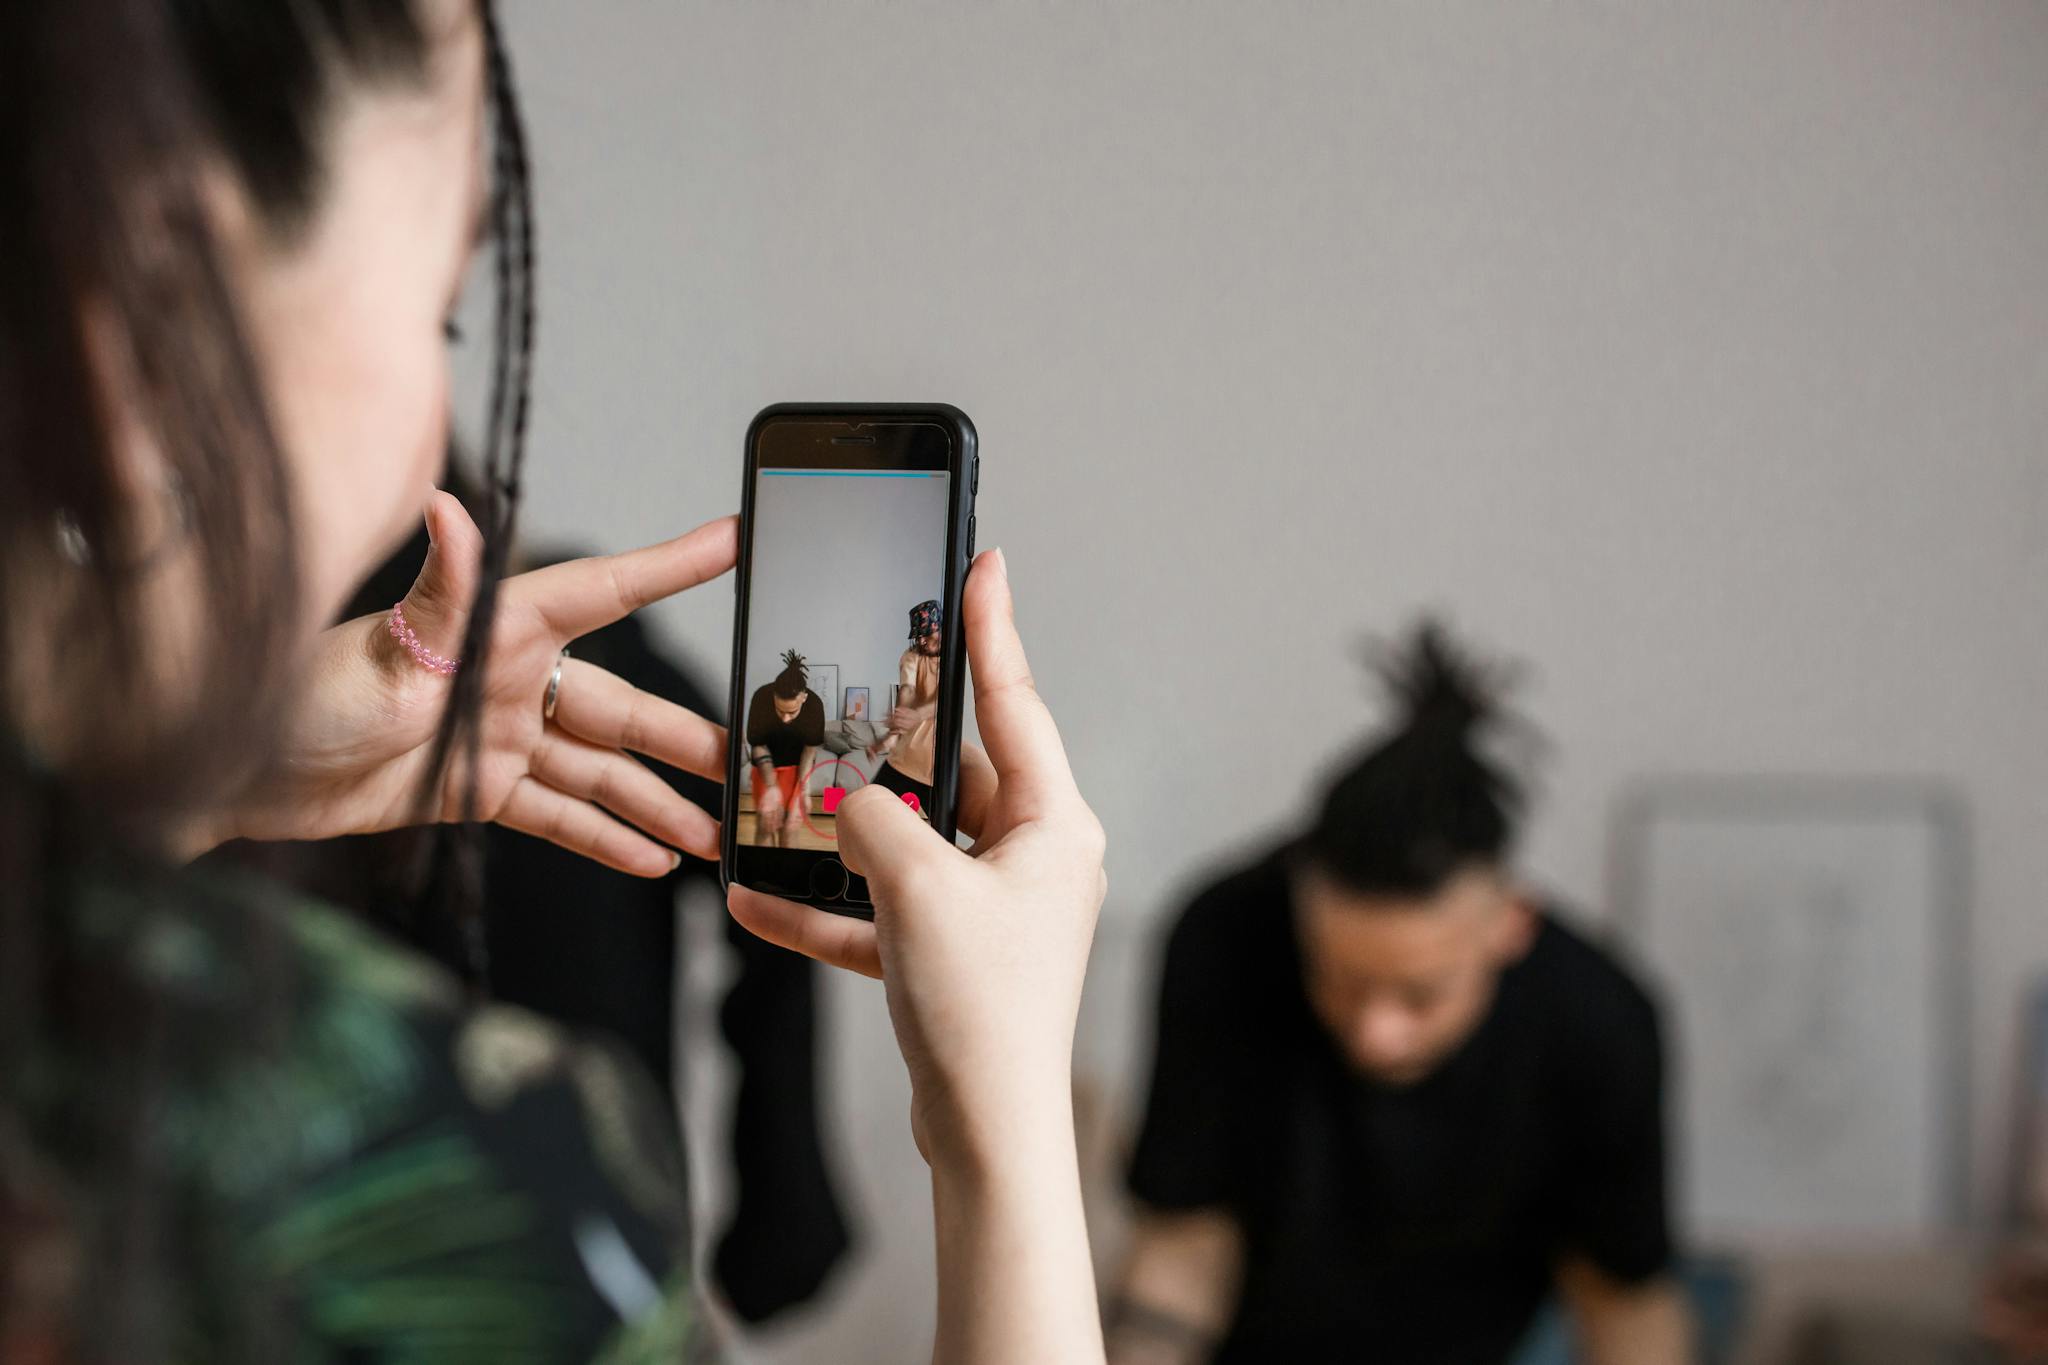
<point x="845" y="630"/>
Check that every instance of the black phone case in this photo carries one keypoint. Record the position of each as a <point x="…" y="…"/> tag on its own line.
<point x="964" y="466"/>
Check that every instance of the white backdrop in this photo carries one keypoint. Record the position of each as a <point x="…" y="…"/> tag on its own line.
<point x="838" y="564"/>
<point x="1697" y="354"/>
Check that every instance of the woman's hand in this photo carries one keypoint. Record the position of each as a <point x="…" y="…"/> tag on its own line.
<point x="982" y="954"/>
<point x="359" y="740"/>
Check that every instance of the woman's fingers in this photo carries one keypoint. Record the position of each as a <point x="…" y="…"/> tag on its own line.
<point x="583" y="594"/>
<point x="627" y="789"/>
<point x="835" y="940"/>
<point x="607" y="710"/>
<point x="538" y="809"/>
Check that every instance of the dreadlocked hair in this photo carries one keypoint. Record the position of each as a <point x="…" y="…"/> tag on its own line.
<point x="794" y="677"/>
<point x="1423" y="803"/>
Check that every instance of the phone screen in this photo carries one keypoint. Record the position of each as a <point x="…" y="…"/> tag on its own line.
<point x="845" y="631"/>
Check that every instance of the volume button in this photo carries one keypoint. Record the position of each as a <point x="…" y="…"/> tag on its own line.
<point x="970" y="535"/>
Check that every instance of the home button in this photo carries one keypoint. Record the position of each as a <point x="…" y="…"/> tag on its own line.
<point x="828" y="879"/>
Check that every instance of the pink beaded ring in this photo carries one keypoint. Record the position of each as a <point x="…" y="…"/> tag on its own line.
<point x="402" y="631"/>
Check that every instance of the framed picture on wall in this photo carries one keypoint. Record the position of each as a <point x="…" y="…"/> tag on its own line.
<point x="1808" y="939"/>
<point x="824" y="683"/>
<point x="856" y="703"/>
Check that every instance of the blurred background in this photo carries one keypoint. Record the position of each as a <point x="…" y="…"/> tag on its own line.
<point x="1696" y="355"/>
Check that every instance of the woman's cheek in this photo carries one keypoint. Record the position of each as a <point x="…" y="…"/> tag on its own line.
<point x="430" y="442"/>
<point x="388" y="460"/>
<point x="414" y="449"/>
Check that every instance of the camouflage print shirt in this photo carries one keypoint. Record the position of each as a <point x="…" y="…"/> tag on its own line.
<point x="356" y="1163"/>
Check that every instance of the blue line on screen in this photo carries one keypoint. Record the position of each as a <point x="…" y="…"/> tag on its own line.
<point x="852" y="474"/>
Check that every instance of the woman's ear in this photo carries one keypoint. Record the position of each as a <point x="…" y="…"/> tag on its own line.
<point x="145" y="479"/>
<point x="141" y="473"/>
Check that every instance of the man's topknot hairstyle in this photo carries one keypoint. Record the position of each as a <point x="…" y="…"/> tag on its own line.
<point x="794" y="677"/>
<point x="1424" y="802"/>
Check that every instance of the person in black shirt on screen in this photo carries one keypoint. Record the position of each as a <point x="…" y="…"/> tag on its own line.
<point x="785" y="726"/>
<point x="1396" y="1103"/>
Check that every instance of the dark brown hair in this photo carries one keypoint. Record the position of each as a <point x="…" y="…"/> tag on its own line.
<point x="112" y="283"/>
<point x="794" y="678"/>
<point x="1425" y="801"/>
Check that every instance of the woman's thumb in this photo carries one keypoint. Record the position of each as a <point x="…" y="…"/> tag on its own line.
<point x="437" y="607"/>
<point x="879" y="837"/>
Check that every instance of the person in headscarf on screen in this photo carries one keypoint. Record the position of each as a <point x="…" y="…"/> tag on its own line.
<point x="907" y="750"/>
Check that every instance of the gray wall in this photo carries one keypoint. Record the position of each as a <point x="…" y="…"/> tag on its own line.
<point x="1696" y="353"/>
<point x="838" y="564"/>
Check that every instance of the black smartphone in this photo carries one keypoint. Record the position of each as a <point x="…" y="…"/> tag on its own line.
<point x="856" y="528"/>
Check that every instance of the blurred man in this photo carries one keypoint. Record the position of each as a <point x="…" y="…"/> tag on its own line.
<point x="1396" y="1104"/>
<point x="910" y="743"/>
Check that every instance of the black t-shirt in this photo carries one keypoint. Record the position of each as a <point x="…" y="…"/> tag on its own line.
<point x="1418" y="1224"/>
<point x="784" y="740"/>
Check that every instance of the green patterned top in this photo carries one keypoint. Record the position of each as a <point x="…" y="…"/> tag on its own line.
<point x="360" y="1166"/>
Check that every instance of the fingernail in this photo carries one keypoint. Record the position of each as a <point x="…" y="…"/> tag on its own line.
<point x="675" y="860"/>
<point x="1002" y="564"/>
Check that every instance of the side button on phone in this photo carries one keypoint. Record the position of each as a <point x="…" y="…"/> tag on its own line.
<point x="970" y="535"/>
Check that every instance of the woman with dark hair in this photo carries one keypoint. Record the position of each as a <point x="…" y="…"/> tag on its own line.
<point x="236" y="1125"/>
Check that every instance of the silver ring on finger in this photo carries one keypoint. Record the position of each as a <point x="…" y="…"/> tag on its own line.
<point x="547" y="706"/>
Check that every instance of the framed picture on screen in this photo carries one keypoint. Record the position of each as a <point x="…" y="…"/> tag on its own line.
<point x="824" y="684"/>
